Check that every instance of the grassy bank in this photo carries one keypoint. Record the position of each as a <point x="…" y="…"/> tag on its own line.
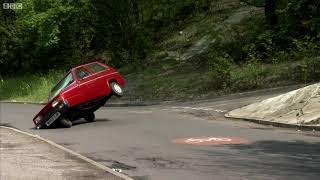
<point x="158" y="83"/>
<point x="190" y="84"/>
<point x="28" y="87"/>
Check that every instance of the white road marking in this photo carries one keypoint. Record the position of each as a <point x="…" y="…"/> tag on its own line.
<point x="140" y="112"/>
<point x="118" y="110"/>
<point x="184" y="108"/>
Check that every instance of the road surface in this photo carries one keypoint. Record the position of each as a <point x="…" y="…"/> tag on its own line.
<point x="139" y="141"/>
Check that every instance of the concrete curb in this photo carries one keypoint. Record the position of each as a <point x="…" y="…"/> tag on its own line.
<point x="88" y="160"/>
<point x="277" y="124"/>
<point x="126" y="104"/>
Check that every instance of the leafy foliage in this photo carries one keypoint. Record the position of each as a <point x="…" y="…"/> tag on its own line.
<point x="51" y="33"/>
<point x="55" y="34"/>
<point x="219" y="63"/>
<point x="299" y="17"/>
<point x="308" y="70"/>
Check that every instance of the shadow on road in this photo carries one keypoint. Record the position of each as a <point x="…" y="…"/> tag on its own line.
<point x="271" y="159"/>
<point x="295" y="149"/>
<point x="83" y="121"/>
<point x="75" y="123"/>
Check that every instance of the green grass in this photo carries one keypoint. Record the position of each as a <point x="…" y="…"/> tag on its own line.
<point x="28" y="87"/>
<point x="156" y="83"/>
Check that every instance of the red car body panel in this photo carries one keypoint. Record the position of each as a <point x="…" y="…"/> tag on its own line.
<point x="94" y="86"/>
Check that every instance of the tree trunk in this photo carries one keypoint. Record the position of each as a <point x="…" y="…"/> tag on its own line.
<point x="270" y="12"/>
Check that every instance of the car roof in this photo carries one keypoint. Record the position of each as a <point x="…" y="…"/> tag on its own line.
<point x="85" y="65"/>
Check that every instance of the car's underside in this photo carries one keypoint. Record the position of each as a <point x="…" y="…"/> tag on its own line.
<point x="82" y="110"/>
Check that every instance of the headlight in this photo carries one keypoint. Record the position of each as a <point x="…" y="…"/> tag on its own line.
<point x="38" y="119"/>
<point x="64" y="103"/>
<point x="54" y="103"/>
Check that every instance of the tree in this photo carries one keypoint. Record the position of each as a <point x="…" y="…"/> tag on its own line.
<point x="56" y="31"/>
<point x="270" y="12"/>
<point x="9" y="42"/>
<point x="269" y="9"/>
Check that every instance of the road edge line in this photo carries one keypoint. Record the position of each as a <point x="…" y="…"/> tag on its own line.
<point x="86" y="159"/>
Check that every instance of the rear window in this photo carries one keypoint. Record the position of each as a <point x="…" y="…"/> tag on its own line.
<point x="82" y="73"/>
<point x="95" y="67"/>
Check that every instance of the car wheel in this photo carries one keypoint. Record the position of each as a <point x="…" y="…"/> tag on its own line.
<point x="66" y="123"/>
<point x="116" y="89"/>
<point x="90" y="117"/>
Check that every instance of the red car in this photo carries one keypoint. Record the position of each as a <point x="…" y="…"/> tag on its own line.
<point x="82" y="91"/>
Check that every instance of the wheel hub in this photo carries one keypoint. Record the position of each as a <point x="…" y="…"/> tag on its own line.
<point x="117" y="88"/>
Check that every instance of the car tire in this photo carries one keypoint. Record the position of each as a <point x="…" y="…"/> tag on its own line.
<point x="90" y="117"/>
<point x="66" y="123"/>
<point x="116" y="89"/>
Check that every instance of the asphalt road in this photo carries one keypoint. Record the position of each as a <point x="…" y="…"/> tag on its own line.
<point x="138" y="140"/>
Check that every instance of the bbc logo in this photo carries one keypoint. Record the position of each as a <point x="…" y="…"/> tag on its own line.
<point x="12" y="5"/>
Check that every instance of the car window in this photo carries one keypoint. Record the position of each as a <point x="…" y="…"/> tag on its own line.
<point x="82" y="73"/>
<point x="68" y="79"/>
<point x="95" y="67"/>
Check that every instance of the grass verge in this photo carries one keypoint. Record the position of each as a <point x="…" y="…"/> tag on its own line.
<point x="160" y="83"/>
<point x="28" y="87"/>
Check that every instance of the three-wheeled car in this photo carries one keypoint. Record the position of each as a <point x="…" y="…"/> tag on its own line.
<point x="82" y="91"/>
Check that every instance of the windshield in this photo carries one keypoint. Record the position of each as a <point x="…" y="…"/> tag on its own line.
<point x="68" y="79"/>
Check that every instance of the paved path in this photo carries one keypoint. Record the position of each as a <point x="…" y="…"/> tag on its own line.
<point x="23" y="157"/>
<point x="138" y="140"/>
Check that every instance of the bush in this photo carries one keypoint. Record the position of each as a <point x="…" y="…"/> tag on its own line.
<point x="219" y="72"/>
<point x="251" y="76"/>
<point x="261" y="48"/>
<point x="305" y="47"/>
<point x="299" y="17"/>
<point x="308" y="70"/>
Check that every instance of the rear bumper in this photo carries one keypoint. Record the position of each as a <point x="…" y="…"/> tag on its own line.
<point x="61" y="108"/>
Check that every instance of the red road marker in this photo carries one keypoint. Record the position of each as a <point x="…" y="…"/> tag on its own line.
<point x="211" y="140"/>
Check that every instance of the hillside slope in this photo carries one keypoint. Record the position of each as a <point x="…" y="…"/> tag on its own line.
<point x="178" y="70"/>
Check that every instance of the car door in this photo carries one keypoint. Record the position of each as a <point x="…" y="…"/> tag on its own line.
<point x="99" y="74"/>
<point x="87" y="84"/>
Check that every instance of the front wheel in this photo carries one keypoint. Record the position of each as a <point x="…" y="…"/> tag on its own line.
<point x="66" y="123"/>
<point x="116" y="89"/>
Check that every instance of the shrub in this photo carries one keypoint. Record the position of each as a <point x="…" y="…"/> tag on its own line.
<point x="219" y="72"/>
<point x="251" y="76"/>
<point x="308" y="70"/>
